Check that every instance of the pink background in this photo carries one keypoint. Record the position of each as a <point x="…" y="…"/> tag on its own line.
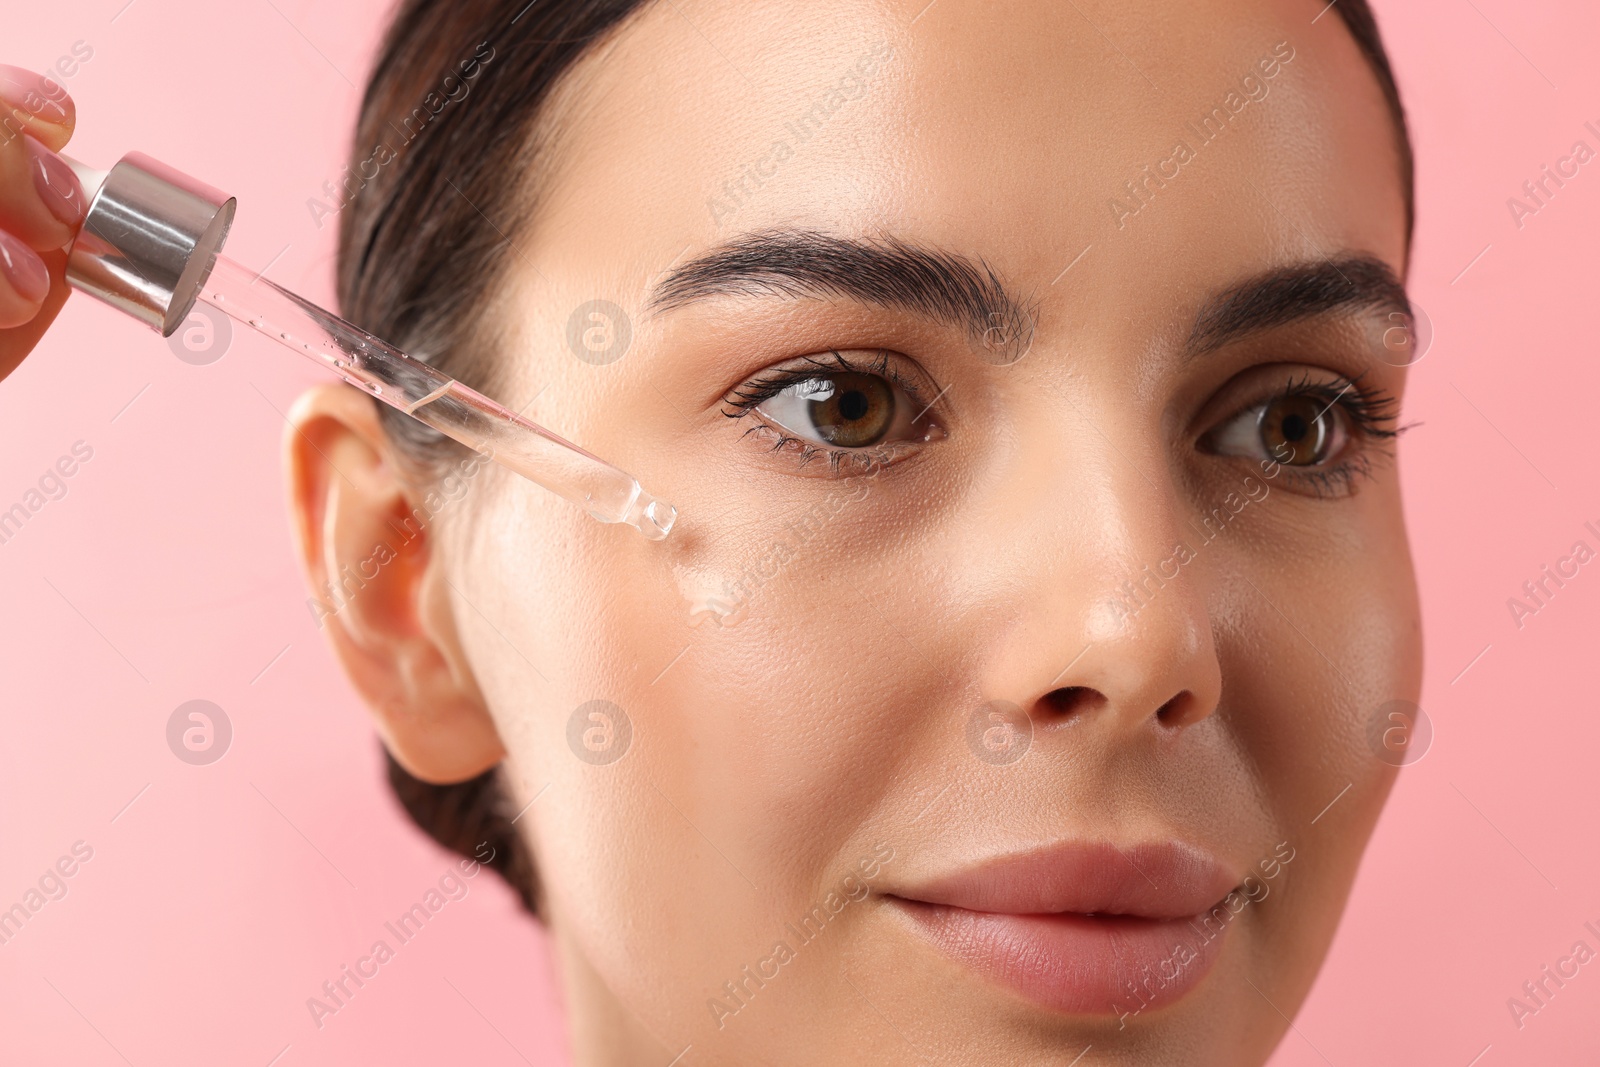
<point x="223" y="896"/>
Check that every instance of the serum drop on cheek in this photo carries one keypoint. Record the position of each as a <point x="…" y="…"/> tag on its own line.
<point x="711" y="596"/>
<point x="150" y="247"/>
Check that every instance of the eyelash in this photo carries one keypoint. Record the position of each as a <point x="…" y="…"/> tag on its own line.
<point x="1372" y="414"/>
<point x="744" y="400"/>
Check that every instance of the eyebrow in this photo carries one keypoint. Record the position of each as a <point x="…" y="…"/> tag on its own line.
<point x="1299" y="291"/>
<point x="960" y="291"/>
<point x="884" y="272"/>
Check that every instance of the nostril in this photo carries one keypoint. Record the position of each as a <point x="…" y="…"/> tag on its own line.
<point x="1178" y="710"/>
<point x="1072" y="700"/>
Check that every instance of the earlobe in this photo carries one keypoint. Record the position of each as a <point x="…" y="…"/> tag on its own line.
<point x="378" y="590"/>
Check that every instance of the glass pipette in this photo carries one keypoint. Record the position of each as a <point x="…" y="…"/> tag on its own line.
<point x="150" y="247"/>
<point x="434" y="398"/>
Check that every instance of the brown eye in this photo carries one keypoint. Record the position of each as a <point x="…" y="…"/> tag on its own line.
<point x="1297" y="430"/>
<point x="843" y="409"/>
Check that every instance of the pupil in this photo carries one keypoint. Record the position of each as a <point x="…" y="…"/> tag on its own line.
<point x="849" y="409"/>
<point x="1294" y="427"/>
<point x="853" y="405"/>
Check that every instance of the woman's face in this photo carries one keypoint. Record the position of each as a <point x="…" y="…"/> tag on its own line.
<point x="1025" y="376"/>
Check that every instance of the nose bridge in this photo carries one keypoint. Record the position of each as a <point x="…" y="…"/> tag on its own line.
<point x="1149" y="611"/>
<point x="1119" y="611"/>
<point x="1142" y="547"/>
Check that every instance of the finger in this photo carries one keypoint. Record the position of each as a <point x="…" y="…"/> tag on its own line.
<point x="26" y="281"/>
<point x="41" y="202"/>
<point x="36" y="104"/>
<point x="23" y="322"/>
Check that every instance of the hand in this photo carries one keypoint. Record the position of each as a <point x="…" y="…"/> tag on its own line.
<point x="41" y="208"/>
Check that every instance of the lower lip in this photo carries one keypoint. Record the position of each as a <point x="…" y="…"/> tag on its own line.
<point x="1077" y="964"/>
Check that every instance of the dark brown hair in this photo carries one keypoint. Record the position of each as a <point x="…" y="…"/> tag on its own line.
<point x="435" y="200"/>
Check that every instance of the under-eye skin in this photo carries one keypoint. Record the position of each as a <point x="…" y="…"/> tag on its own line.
<point x="859" y="411"/>
<point x="1323" y="432"/>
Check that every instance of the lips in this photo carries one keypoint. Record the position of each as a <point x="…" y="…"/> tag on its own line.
<point x="1082" y="928"/>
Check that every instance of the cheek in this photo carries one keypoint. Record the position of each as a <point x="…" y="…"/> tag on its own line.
<point x="1325" y="633"/>
<point x="680" y="760"/>
<point x="1329" y="635"/>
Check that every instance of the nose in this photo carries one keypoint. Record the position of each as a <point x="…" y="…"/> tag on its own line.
<point x="1113" y="627"/>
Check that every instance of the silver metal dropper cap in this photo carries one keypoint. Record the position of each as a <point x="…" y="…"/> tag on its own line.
<point x="149" y="241"/>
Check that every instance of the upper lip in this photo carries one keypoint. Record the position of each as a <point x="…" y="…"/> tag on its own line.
<point x="1154" y="880"/>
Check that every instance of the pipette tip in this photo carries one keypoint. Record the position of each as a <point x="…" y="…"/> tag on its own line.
<point x="656" y="518"/>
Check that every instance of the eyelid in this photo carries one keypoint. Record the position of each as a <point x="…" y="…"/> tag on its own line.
<point x="1370" y="412"/>
<point x="771" y="381"/>
<point x="1373" y="411"/>
<point x="900" y="371"/>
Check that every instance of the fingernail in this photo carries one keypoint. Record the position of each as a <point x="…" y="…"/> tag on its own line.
<point x="58" y="186"/>
<point x="36" y="95"/>
<point x="23" y="269"/>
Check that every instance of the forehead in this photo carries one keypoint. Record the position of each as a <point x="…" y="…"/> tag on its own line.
<point x="1170" y="146"/>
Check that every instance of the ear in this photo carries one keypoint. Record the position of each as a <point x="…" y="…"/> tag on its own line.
<point x="378" y="588"/>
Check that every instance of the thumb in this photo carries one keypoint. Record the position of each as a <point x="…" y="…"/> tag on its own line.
<point x="18" y="341"/>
